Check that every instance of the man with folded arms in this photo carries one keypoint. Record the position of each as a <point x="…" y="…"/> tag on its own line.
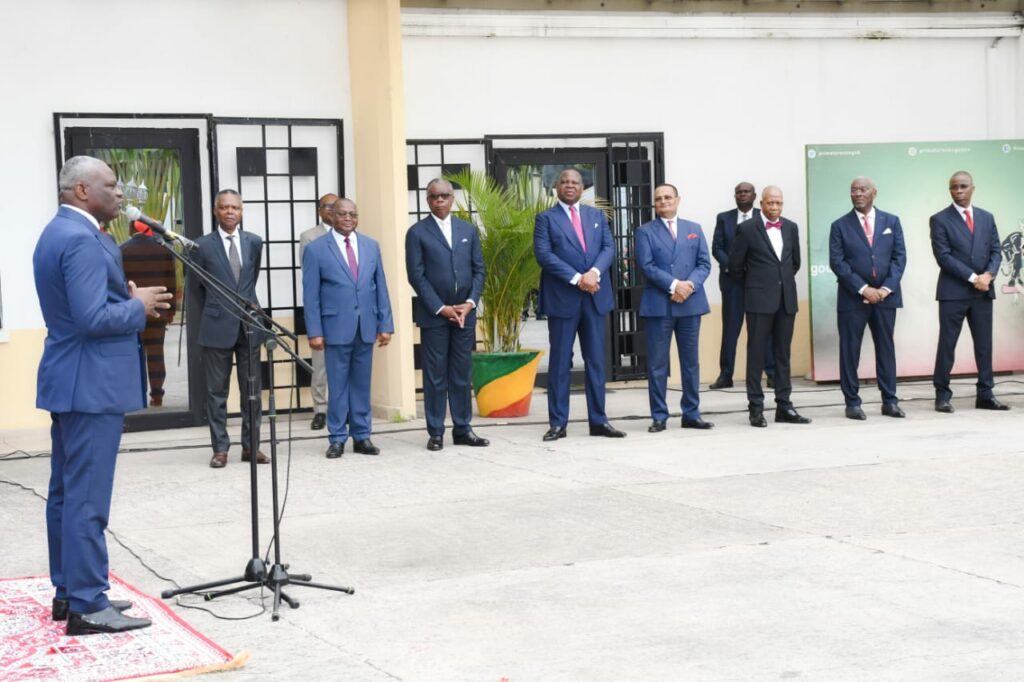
<point x="867" y="254"/>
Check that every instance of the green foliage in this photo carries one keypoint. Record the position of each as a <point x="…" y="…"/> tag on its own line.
<point x="505" y="217"/>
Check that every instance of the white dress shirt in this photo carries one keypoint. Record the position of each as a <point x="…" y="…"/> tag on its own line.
<point x="870" y="215"/>
<point x="446" y="229"/>
<point x="90" y="216"/>
<point x="340" y="240"/>
<point x="774" y="234"/>
<point x="226" y="241"/>
<point x="962" y="210"/>
<point x="742" y="217"/>
<point x="675" y="222"/>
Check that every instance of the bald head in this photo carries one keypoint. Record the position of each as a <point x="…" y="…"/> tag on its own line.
<point x="862" y="194"/>
<point x="771" y="202"/>
<point x="324" y="208"/>
<point x="744" y="194"/>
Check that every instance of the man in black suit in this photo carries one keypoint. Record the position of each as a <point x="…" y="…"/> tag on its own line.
<point x="765" y="257"/>
<point x="445" y="266"/>
<point x="868" y="256"/>
<point x="732" y="290"/>
<point x="966" y="246"/>
<point x="233" y="257"/>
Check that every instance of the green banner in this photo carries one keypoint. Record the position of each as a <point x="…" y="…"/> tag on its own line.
<point x="913" y="183"/>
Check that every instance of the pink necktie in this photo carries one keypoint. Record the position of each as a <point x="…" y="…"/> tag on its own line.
<point x="577" y="225"/>
<point x="970" y="220"/>
<point x="672" y="227"/>
<point x="351" y="255"/>
<point x="867" y="230"/>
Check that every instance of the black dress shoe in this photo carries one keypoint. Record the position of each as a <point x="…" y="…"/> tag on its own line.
<point x="790" y="416"/>
<point x="554" y="433"/>
<point x="107" y="620"/>
<point x="893" y="411"/>
<point x="60" y="607"/>
<point x="757" y="419"/>
<point x="435" y="443"/>
<point x="697" y="423"/>
<point x="855" y="412"/>
<point x="719" y="383"/>
<point x="319" y="421"/>
<point x="944" y="406"/>
<point x="365" y="447"/>
<point x="606" y="430"/>
<point x="656" y="426"/>
<point x="990" y="404"/>
<point x="471" y="439"/>
<point x="335" y="450"/>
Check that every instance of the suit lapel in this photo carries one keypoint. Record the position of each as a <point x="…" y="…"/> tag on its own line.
<point x="567" y="227"/>
<point x="763" y="231"/>
<point x="221" y="255"/>
<point x="342" y="260"/>
<point x="433" y="229"/>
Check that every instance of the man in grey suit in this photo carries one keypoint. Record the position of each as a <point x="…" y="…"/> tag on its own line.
<point x="318" y="384"/>
<point x="233" y="257"/>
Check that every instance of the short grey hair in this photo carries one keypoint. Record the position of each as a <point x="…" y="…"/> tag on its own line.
<point x="77" y="169"/>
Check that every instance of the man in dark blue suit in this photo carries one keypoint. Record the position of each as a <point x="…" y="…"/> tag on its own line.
<point x="573" y="246"/>
<point x="766" y="257"/>
<point x="445" y="266"/>
<point x="966" y="246"/>
<point x="233" y="257"/>
<point x="91" y="373"/>
<point x="732" y="290"/>
<point x="867" y="253"/>
<point x="347" y="308"/>
<point x="673" y="255"/>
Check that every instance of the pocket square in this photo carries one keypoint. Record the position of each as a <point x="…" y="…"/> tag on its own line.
<point x="464" y="241"/>
<point x="888" y="230"/>
<point x="595" y="226"/>
<point x="691" y="236"/>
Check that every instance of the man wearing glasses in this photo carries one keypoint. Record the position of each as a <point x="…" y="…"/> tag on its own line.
<point x="445" y="266"/>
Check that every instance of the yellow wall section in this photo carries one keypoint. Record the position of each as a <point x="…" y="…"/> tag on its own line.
<point x="19" y="360"/>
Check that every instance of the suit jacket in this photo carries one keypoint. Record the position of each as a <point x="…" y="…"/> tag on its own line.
<point x="92" y="357"/>
<point x="442" y="275"/>
<point x="309" y="235"/>
<point x="664" y="259"/>
<point x="856" y="263"/>
<point x="961" y="254"/>
<point x="721" y="241"/>
<point x="336" y="304"/>
<point x="218" y="325"/>
<point x="769" y="282"/>
<point x="561" y="256"/>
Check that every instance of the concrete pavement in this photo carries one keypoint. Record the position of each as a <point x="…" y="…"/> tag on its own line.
<point x="883" y="550"/>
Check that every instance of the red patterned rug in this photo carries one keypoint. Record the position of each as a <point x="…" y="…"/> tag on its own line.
<point x="33" y="647"/>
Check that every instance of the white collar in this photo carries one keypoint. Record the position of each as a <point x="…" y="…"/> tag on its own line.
<point x="90" y="216"/>
<point x="224" y="235"/>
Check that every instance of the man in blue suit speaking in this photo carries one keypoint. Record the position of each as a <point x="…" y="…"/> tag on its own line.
<point x="445" y="265"/>
<point x="93" y="371"/>
<point x="966" y="246"/>
<point x="673" y="254"/>
<point x="347" y="308"/>
<point x="867" y="253"/>
<point x="573" y="246"/>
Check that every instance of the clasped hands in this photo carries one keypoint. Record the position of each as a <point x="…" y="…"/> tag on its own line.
<point x="874" y="295"/>
<point x="589" y="282"/>
<point x="154" y="299"/>
<point x="983" y="281"/>
<point x="683" y="290"/>
<point x="457" y="314"/>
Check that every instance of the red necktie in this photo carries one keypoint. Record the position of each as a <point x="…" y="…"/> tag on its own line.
<point x="577" y="225"/>
<point x="351" y="255"/>
<point x="867" y="230"/>
<point x="970" y="220"/>
<point x="777" y="225"/>
<point x="672" y="227"/>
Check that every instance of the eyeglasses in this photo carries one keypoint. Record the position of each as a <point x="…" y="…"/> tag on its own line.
<point x="443" y="196"/>
<point x="346" y="214"/>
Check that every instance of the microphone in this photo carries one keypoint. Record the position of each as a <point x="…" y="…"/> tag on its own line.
<point x="135" y="215"/>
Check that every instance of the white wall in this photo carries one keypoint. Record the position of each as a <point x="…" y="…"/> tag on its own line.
<point x="273" y="58"/>
<point x="731" y="109"/>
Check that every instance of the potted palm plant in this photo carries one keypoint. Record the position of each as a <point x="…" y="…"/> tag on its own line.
<point x="504" y="372"/>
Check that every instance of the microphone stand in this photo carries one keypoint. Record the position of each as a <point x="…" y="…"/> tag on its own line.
<point x="255" y="321"/>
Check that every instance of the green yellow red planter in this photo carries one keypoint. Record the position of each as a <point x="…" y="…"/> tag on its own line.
<point x="503" y="382"/>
